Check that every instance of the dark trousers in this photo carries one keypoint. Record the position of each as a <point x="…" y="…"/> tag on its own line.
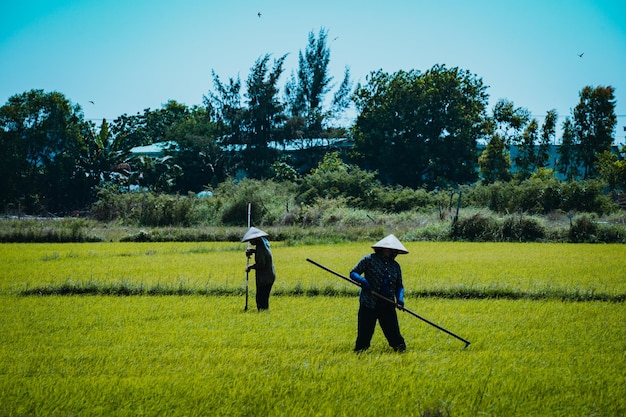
<point x="263" y="296"/>
<point x="386" y="315"/>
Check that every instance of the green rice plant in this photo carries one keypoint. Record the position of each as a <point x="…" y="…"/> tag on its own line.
<point x="196" y="355"/>
<point x="452" y="269"/>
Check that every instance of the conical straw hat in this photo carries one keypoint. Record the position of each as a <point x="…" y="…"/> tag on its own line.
<point x="253" y="233"/>
<point x="391" y="242"/>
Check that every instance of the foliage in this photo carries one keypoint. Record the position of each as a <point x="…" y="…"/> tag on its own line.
<point x="495" y="161"/>
<point x="540" y="195"/>
<point x="306" y="91"/>
<point x="61" y="159"/>
<point x="510" y="121"/>
<point x="420" y="129"/>
<point x="526" y="158"/>
<point x="149" y="127"/>
<point x="143" y="208"/>
<point x="268" y="199"/>
<point x="587" y="228"/>
<point x="477" y="228"/>
<point x="48" y="230"/>
<point x="548" y="136"/>
<point x="197" y="152"/>
<point x="522" y="229"/>
<point x="333" y="178"/>
<point x="248" y="131"/>
<point x="42" y="137"/>
<point x="567" y="163"/>
<point x="595" y="122"/>
<point x="612" y="169"/>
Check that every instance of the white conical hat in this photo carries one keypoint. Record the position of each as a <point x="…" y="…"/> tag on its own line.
<point x="391" y="242"/>
<point x="253" y="233"/>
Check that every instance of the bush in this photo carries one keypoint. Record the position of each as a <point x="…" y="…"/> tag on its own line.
<point x="521" y="229"/>
<point x="400" y="199"/>
<point x="586" y="229"/>
<point x="333" y="179"/>
<point x="46" y="230"/>
<point x="477" y="228"/>
<point x="583" y="229"/>
<point x="269" y="199"/>
<point x="587" y="197"/>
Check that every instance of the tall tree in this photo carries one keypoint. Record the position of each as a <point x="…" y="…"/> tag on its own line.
<point x="225" y="108"/>
<point x="148" y="127"/>
<point x="42" y="137"/>
<point x="265" y="117"/>
<point x="567" y="163"/>
<point x="307" y="89"/>
<point x="250" y="131"/>
<point x="197" y="152"/>
<point x="495" y="162"/>
<point x="595" y="120"/>
<point x="420" y="129"/>
<point x="102" y="161"/>
<point x="612" y="169"/>
<point x="510" y="121"/>
<point x="548" y="134"/>
<point x="526" y="155"/>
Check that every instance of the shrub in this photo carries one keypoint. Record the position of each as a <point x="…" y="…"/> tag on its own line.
<point x="269" y="201"/>
<point x="477" y="228"/>
<point x="583" y="229"/>
<point x="46" y="230"/>
<point x="399" y="199"/>
<point x="521" y="229"/>
<point x="587" y="197"/>
<point x="333" y="179"/>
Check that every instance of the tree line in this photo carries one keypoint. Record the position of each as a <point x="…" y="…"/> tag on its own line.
<point x="412" y="129"/>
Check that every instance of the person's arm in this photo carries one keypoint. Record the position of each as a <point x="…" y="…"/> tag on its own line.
<point x="400" y="289"/>
<point x="360" y="280"/>
<point x="400" y="297"/>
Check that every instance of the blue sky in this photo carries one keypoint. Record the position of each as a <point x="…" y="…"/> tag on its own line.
<point x="129" y="55"/>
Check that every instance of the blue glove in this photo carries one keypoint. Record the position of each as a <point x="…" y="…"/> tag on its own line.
<point x="362" y="281"/>
<point x="400" y="297"/>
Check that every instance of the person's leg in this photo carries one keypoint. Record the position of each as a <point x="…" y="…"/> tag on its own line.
<point x="263" y="297"/>
<point x="366" y="327"/>
<point x="388" y="320"/>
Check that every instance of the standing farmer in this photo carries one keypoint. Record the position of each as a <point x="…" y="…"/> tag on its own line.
<point x="379" y="272"/>
<point x="263" y="265"/>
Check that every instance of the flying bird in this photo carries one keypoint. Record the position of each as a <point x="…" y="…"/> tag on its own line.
<point x="581" y="55"/>
<point x="92" y="102"/>
<point x="259" y="14"/>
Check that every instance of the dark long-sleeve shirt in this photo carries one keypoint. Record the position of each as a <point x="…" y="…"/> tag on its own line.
<point x="264" y="264"/>
<point x="383" y="275"/>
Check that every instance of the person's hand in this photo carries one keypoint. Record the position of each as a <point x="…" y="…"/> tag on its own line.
<point x="249" y="252"/>
<point x="401" y="304"/>
<point x="362" y="281"/>
<point x="249" y="268"/>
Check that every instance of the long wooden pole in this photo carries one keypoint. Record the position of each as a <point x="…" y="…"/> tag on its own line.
<point x="399" y="307"/>
<point x="247" y="259"/>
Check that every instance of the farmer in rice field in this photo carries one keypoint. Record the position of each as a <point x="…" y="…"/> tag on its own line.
<point x="380" y="272"/>
<point x="263" y="265"/>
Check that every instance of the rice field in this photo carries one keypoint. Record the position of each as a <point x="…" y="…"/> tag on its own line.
<point x="203" y="355"/>
<point x="525" y="267"/>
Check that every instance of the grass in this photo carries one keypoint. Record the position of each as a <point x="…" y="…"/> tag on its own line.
<point x="184" y="346"/>
<point x="444" y="269"/>
<point x="204" y="356"/>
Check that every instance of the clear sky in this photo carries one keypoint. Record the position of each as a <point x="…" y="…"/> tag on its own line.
<point x="129" y="55"/>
